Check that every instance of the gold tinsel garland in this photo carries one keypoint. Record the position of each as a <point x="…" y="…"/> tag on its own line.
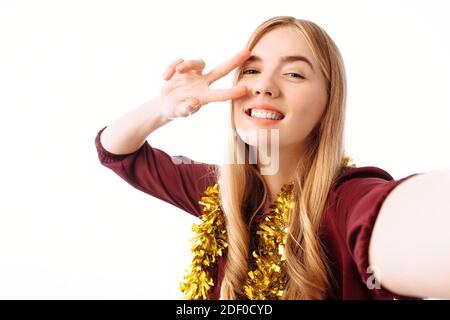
<point x="268" y="279"/>
<point x="208" y="244"/>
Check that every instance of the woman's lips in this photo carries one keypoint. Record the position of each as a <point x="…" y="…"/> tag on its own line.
<point x="265" y="106"/>
<point x="265" y="121"/>
<point x="262" y="106"/>
<point x="276" y="112"/>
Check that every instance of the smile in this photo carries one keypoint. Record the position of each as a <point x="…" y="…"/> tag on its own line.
<point x="265" y="114"/>
<point x="263" y="118"/>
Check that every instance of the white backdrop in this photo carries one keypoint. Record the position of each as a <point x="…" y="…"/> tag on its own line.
<point x="72" y="229"/>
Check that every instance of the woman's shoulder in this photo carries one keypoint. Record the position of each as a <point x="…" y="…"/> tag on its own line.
<point x="351" y="173"/>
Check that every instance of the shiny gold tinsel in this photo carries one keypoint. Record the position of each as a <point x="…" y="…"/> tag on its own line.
<point x="268" y="279"/>
<point x="208" y="243"/>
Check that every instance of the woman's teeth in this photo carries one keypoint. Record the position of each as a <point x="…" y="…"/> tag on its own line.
<point x="265" y="114"/>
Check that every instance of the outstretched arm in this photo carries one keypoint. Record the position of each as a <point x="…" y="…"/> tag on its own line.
<point x="410" y="242"/>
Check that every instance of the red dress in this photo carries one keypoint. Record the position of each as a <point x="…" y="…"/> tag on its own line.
<point x="349" y="216"/>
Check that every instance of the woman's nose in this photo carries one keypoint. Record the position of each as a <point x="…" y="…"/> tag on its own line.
<point x="258" y="92"/>
<point x="265" y="88"/>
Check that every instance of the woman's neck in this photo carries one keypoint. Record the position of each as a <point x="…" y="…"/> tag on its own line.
<point x="288" y="161"/>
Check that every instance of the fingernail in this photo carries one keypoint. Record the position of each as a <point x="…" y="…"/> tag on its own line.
<point x="191" y="108"/>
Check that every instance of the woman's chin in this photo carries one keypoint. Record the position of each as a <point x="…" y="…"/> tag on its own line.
<point x="247" y="135"/>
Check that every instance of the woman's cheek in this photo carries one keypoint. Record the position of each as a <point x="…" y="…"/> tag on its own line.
<point x="295" y="130"/>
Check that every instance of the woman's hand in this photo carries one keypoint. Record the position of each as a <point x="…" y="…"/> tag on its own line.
<point x="187" y="89"/>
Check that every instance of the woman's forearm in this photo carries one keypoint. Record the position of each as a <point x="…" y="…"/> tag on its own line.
<point x="410" y="243"/>
<point x="129" y="132"/>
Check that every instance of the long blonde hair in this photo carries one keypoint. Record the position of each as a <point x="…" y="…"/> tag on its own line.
<point x="244" y="192"/>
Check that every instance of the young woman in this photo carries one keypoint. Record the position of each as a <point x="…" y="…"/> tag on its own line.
<point x="315" y="226"/>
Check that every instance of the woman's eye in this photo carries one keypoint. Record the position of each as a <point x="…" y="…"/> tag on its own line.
<point x="293" y="74"/>
<point x="248" y="71"/>
<point x="296" y="75"/>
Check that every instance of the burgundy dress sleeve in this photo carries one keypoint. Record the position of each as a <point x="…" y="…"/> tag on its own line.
<point x="177" y="180"/>
<point x="359" y="193"/>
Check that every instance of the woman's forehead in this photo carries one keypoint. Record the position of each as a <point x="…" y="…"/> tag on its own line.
<point x="283" y="41"/>
<point x="285" y="45"/>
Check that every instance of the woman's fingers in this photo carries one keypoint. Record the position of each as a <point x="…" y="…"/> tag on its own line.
<point x="196" y="65"/>
<point x="195" y="85"/>
<point x="226" y="94"/>
<point x="186" y="108"/>
<point x="225" y="68"/>
<point x="171" y="69"/>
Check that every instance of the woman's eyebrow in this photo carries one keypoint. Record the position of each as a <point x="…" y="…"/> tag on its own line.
<point x="284" y="59"/>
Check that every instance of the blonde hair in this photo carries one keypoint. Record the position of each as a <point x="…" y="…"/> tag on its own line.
<point x="244" y="192"/>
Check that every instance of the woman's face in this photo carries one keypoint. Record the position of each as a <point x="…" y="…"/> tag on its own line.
<point x="279" y="79"/>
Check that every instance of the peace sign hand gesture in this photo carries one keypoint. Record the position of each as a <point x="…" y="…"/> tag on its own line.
<point x="187" y="89"/>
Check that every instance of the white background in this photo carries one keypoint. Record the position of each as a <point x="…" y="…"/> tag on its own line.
<point x="72" y="229"/>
